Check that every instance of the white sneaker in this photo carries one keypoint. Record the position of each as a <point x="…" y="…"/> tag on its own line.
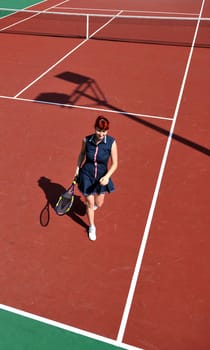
<point x="95" y="207"/>
<point x="92" y="233"/>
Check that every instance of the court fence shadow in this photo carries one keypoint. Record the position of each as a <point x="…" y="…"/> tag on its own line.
<point x="89" y="88"/>
<point x="53" y="191"/>
<point x="84" y="87"/>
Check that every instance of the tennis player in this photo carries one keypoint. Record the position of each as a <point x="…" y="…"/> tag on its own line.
<point x="94" y="170"/>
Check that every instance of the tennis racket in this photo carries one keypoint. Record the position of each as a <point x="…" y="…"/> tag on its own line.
<point x="66" y="200"/>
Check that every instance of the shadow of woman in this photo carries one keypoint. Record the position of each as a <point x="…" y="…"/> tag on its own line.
<point x="52" y="192"/>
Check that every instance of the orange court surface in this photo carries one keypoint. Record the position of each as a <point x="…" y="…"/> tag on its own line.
<point x="144" y="283"/>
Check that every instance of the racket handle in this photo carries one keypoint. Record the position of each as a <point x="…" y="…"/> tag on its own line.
<point x="75" y="180"/>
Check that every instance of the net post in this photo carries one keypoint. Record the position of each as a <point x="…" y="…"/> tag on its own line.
<point x="87" y="27"/>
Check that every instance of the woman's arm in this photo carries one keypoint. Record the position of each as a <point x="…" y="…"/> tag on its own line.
<point x="80" y="158"/>
<point x="114" y="164"/>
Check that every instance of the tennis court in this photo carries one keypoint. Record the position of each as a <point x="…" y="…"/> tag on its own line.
<point x="144" y="283"/>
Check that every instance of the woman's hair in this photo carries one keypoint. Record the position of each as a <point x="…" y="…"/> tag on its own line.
<point x="102" y="123"/>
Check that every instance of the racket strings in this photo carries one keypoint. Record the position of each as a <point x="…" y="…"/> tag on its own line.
<point x="64" y="204"/>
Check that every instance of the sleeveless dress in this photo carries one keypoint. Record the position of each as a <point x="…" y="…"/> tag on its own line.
<point x="95" y="166"/>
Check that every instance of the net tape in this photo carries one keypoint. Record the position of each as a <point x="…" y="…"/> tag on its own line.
<point x="136" y="29"/>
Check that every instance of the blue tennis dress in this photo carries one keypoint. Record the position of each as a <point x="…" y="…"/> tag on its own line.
<point x="95" y="166"/>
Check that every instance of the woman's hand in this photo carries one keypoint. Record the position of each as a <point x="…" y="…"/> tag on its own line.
<point x="104" y="180"/>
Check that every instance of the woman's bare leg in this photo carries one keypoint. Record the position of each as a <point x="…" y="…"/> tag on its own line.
<point x="99" y="199"/>
<point x="90" y="209"/>
<point x="90" y="215"/>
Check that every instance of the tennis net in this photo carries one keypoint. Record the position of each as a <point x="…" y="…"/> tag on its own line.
<point x="137" y="29"/>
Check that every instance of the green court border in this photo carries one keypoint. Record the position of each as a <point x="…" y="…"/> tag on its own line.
<point x="18" y="333"/>
<point x="15" y="4"/>
<point x="21" y="330"/>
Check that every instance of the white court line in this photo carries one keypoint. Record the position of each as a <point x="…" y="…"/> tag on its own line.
<point x="68" y="105"/>
<point x="54" y="6"/>
<point x="28" y="18"/>
<point x="86" y="9"/>
<point x="18" y="22"/>
<point x="155" y="195"/>
<point x="125" y="10"/>
<point x="67" y="328"/>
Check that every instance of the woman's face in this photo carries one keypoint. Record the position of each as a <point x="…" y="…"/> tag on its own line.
<point x="100" y="134"/>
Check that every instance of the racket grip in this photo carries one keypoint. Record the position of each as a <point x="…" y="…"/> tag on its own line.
<point x="75" y="179"/>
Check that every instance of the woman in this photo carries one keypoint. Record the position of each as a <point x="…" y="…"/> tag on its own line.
<point x="94" y="177"/>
